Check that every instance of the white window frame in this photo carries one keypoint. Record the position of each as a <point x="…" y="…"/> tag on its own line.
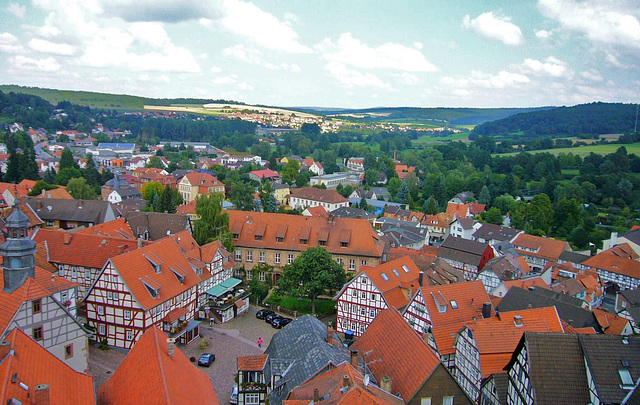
<point x="102" y="329"/>
<point x="100" y="310"/>
<point x="277" y="258"/>
<point x="127" y="314"/>
<point x="238" y="255"/>
<point x="290" y="258"/>
<point x="129" y="335"/>
<point x="352" y="264"/>
<point x="262" y="256"/>
<point x="249" y="255"/>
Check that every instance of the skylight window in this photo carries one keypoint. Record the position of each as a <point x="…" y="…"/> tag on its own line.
<point x="384" y="277"/>
<point x="454" y="304"/>
<point x="625" y="377"/>
<point x="405" y="268"/>
<point x="396" y="273"/>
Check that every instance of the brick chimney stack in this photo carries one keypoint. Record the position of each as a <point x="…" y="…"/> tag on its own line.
<point x="354" y="358"/>
<point x="42" y="395"/>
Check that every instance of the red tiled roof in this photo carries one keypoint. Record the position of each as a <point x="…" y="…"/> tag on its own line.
<point x="546" y="248"/>
<point x="188" y="208"/>
<point x="34" y="365"/>
<point x="203" y="179"/>
<point x="148" y="375"/>
<point x="526" y="283"/>
<point x="118" y="228"/>
<point x="135" y="266"/>
<point x="80" y="249"/>
<point x="252" y="363"/>
<point x="245" y="225"/>
<point x="265" y="173"/>
<point x="408" y="361"/>
<point x="611" y="324"/>
<point x="59" y="192"/>
<point x="318" y="194"/>
<point x="392" y="288"/>
<point x="318" y="211"/>
<point x="330" y="386"/>
<point x="609" y="261"/>
<point x="10" y="303"/>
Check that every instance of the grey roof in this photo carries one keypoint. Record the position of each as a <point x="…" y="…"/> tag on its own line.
<point x="633" y="296"/>
<point x="89" y="211"/>
<point x="604" y="355"/>
<point x="375" y="203"/>
<point x="569" y="308"/>
<point x="573" y="257"/>
<point x="462" y="250"/>
<point x="352" y="212"/>
<point x="129" y="193"/>
<point x="505" y="267"/>
<point x="633" y="236"/>
<point x="466" y="223"/>
<point x="555" y="380"/>
<point x="157" y="224"/>
<point x="496" y="232"/>
<point x="634" y="312"/>
<point x="298" y="351"/>
<point x="380" y="191"/>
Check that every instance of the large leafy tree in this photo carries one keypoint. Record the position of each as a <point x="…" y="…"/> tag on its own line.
<point x="168" y="199"/>
<point x="403" y="194"/>
<point x="312" y="274"/>
<point x="80" y="190"/>
<point x="213" y="223"/>
<point x="540" y="214"/>
<point x="66" y="160"/>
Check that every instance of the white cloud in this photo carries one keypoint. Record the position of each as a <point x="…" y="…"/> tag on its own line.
<point x="16" y="9"/>
<point x="495" y="28"/>
<point x="261" y="27"/>
<point x="350" y="51"/>
<point x="44" y="46"/>
<point x="479" y="80"/>
<point x="291" y="67"/>
<point x="408" y="79"/>
<point x="600" y="21"/>
<point x="353" y="78"/>
<point x="551" y="67"/>
<point x="245" y="86"/>
<point x="9" y="43"/>
<point x="613" y="60"/>
<point x="248" y="55"/>
<point x="215" y="69"/>
<point x="543" y="34"/>
<point x="418" y="45"/>
<point x="592" y="75"/>
<point x="47" y="65"/>
<point x="225" y="79"/>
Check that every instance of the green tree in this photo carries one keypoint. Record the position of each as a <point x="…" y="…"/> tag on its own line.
<point x="66" y="175"/>
<point x="66" y="160"/>
<point x="155" y="162"/>
<point x="50" y="176"/>
<point x="268" y="200"/>
<point x="566" y="217"/>
<point x="291" y="169"/>
<point x="303" y="178"/>
<point x="148" y="190"/>
<point x="213" y="223"/>
<point x="168" y="199"/>
<point x="90" y="173"/>
<point x="485" y="195"/>
<point x="242" y="196"/>
<point x="403" y="194"/>
<point x="312" y="274"/>
<point x="393" y="186"/>
<point x="80" y="190"/>
<point x="413" y="182"/>
<point x="431" y="206"/>
<point x="371" y="177"/>
<point x="540" y="213"/>
<point x="40" y="185"/>
<point x="493" y="216"/>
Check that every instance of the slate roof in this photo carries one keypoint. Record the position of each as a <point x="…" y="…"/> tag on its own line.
<point x="150" y="375"/>
<point x="569" y="308"/>
<point x="495" y="232"/>
<point x="32" y="365"/>
<point x="158" y="224"/>
<point x="352" y="212"/>
<point x="408" y="361"/>
<point x="633" y="236"/>
<point x="71" y="210"/>
<point x="573" y="257"/>
<point x="555" y="382"/>
<point x="330" y="386"/>
<point x="298" y="351"/>
<point x="633" y="296"/>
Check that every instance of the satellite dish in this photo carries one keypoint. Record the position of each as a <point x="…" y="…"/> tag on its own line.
<point x="366" y="380"/>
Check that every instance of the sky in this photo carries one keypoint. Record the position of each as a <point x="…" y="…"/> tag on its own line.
<point x="347" y="53"/>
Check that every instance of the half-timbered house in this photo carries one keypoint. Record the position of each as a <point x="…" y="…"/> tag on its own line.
<point x="154" y="285"/>
<point x="469" y="256"/>
<point x="537" y="251"/>
<point x="391" y="284"/>
<point x="615" y="267"/>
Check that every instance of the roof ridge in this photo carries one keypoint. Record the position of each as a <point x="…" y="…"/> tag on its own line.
<point x="160" y="364"/>
<point x="6" y="379"/>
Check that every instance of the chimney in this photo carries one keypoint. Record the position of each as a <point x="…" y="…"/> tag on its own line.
<point x="39" y="205"/>
<point x="139" y="243"/>
<point x="172" y="346"/>
<point x="79" y="204"/>
<point x="421" y="278"/>
<point x="316" y="396"/>
<point x="385" y="383"/>
<point x="42" y="395"/>
<point x="354" y="358"/>
<point x="486" y="310"/>
<point x="345" y="381"/>
<point x="67" y="238"/>
<point x="329" y="334"/>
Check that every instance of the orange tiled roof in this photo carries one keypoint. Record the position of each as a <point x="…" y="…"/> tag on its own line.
<point x="624" y="250"/>
<point x="358" y="233"/>
<point x="188" y="208"/>
<point x="611" y="324"/>
<point x="526" y="283"/>
<point x="135" y="266"/>
<point x="149" y="375"/>
<point x="252" y="363"/>
<point x="118" y="228"/>
<point x="608" y="260"/>
<point x="392" y="287"/>
<point x="546" y="248"/>
<point x="469" y="297"/>
<point x="10" y="303"/>
<point x="34" y="365"/>
<point x="59" y="192"/>
<point x="203" y="179"/>
<point x="330" y="385"/>
<point x="318" y="211"/>
<point x="408" y="361"/>
<point x="80" y="249"/>
<point x="34" y="219"/>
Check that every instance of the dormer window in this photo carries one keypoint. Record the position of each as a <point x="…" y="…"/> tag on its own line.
<point x="236" y="236"/>
<point x="155" y="265"/>
<point x="258" y="237"/>
<point x="279" y="239"/>
<point x="304" y="241"/>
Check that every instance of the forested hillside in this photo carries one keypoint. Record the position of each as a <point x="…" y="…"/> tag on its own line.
<point x="583" y="121"/>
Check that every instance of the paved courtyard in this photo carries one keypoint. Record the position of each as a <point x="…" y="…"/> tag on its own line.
<point x="227" y="341"/>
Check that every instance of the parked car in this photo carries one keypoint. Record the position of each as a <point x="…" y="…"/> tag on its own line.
<point x="206" y="359"/>
<point x="261" y="314"/>
<point x="233" y="400"/>
<point x="280" y="322"/>
<point x="269" y="318"/>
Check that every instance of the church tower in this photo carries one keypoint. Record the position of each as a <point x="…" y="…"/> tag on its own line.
<point x="17" y="251"/>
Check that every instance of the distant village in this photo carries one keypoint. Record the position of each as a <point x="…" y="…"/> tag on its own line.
<point x="438" y="309"/>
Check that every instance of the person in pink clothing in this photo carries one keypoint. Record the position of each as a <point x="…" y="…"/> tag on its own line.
<point x="260" y="342"/>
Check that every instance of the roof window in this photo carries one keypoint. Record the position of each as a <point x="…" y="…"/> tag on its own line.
<point x="384" y="277"/>
<point x="625" y="377"/>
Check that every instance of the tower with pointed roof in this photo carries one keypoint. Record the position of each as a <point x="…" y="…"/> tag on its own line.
<point x="17" y="251"/>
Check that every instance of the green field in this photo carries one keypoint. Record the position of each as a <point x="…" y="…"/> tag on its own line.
<point x="435" y="139"/>
<point x="585" y="150"/>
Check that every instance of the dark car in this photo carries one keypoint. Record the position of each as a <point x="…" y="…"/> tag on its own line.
<point x="280" y="322"/>
<point x="206" y="359"/>
<point x="269" y="318"/>
<point x="261" y="314"/>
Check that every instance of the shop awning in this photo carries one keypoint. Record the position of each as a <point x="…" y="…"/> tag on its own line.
<point x="223" y="287"/>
